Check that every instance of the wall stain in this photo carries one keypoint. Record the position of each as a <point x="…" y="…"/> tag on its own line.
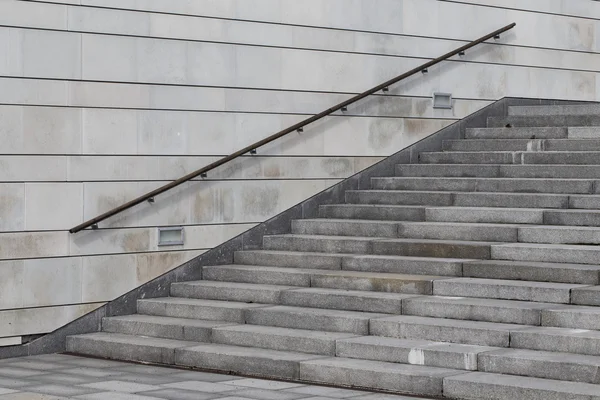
<point x="260" y="201"/>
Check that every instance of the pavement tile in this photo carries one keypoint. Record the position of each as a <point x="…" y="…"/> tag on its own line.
<point x="149" y="379"/>
<point x="120" y="386"/>
<point x="90" y="372"/>
<point x="205" y="376"/>
<point x="207" y="387"/>
<point x="14" y="383"/>
<point x="65" y="379"/>
<point x="15" y="372"/>
<point x="180" y="394"/>
<point x="148" y="370"/>
<point x="30" y="396"/>
<point x="335" y="393"/>
<point x="60" y="390"/>
<point x="263" y="394"/>
<point x="115" y="396"/>
<point x="263" y="384"/>
<point x="37" y="365"/>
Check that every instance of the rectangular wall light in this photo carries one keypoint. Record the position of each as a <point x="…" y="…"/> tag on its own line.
<point x="172" y="236"/>
<point x="442" y="100"/>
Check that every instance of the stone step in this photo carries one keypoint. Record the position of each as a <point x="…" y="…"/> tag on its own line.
<point x="569" y="109"/>
<point x="458" y="231"/>
<point x="587" y="158"/>
<point x="584" y="132"/>
<point x="521" y="145"/>
<point x="319" y="244"/>
<point x="211" y="310"/>
<point x="248" y="361"/>
<point x="487" y="145"/>
<point x="372" y="212"/>
<point x="352" y="262"/>
<point x="544" y="121"/>
<point x="352" y="300"/>
<point x="229" y="291"/>
<point x="382" y="246"/>
<point x="349" y="300"/>
<point x="576" y="317"/>
<point x="433" y="248"/>
<point x="476" y="309"/>
<point x="516" y="133"/>
<point x="312" y="319"/>
<point x="523" y="185"/>
<point x="572" y="217"/>
<point x="445" y="330"/>
<point x="587" y="296"/>
<point x="388" y="197"/>
<point x="533" y="271"/>
<point x="185" y="329"/>
<point x="554" y="253"/>
<point x="290" y="259"/>
<point x="376" y="375"/>
<point x="485" y="215"/>
<point x="469" y="157"/>
<point x="561" y="234"/>
<point x="512" y="157"/>
<point x="483" y="385"/>
<point x="345" y="227"/>
<point x="257" y="274"/>
<point x="419" y="230"/>
<point x="483" y="199"/>
<point x="282" y="339"/>
<point x="542" y="364"/>
<point x="414" y="352"/>
<point x="566" y="340"/>
<point x="122" y="347"/>
<point x="548" y="292"/>
<point x="347" y="280"/>
<point x="498" y="171"/>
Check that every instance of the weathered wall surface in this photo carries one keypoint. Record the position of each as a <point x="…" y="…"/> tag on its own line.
<point x="103" y="100"/>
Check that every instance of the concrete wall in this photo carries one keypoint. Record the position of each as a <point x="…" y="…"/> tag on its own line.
<point x="103" y="100"/>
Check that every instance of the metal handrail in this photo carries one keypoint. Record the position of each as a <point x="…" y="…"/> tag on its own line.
<point x="296" y="127"/>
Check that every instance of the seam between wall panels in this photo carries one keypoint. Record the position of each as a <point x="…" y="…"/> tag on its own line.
<point x="319" y="50"/>
<point x="311" y="26"/>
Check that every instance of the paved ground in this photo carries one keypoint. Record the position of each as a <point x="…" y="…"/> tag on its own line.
<point x="59" y="377"/>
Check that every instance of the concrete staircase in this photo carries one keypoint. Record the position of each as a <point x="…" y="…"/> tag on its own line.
<point x="471" y="275"/>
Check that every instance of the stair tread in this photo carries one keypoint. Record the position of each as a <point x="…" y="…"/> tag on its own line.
<point x="326" y="272"/>
<point x="489" y="385"/>
<point x="136" y="340"/>
<point x="201" y="302"/>
<point x="287" y="332"/>
<point x="383" y="239"/>
<point x="514" y="283"/>
<point x="485" y="302"/>
<point x="350" y="255"/>
<point x="154" y="319"/>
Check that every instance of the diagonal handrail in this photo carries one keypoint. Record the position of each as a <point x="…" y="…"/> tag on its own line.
<point x="296" y="127"/>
